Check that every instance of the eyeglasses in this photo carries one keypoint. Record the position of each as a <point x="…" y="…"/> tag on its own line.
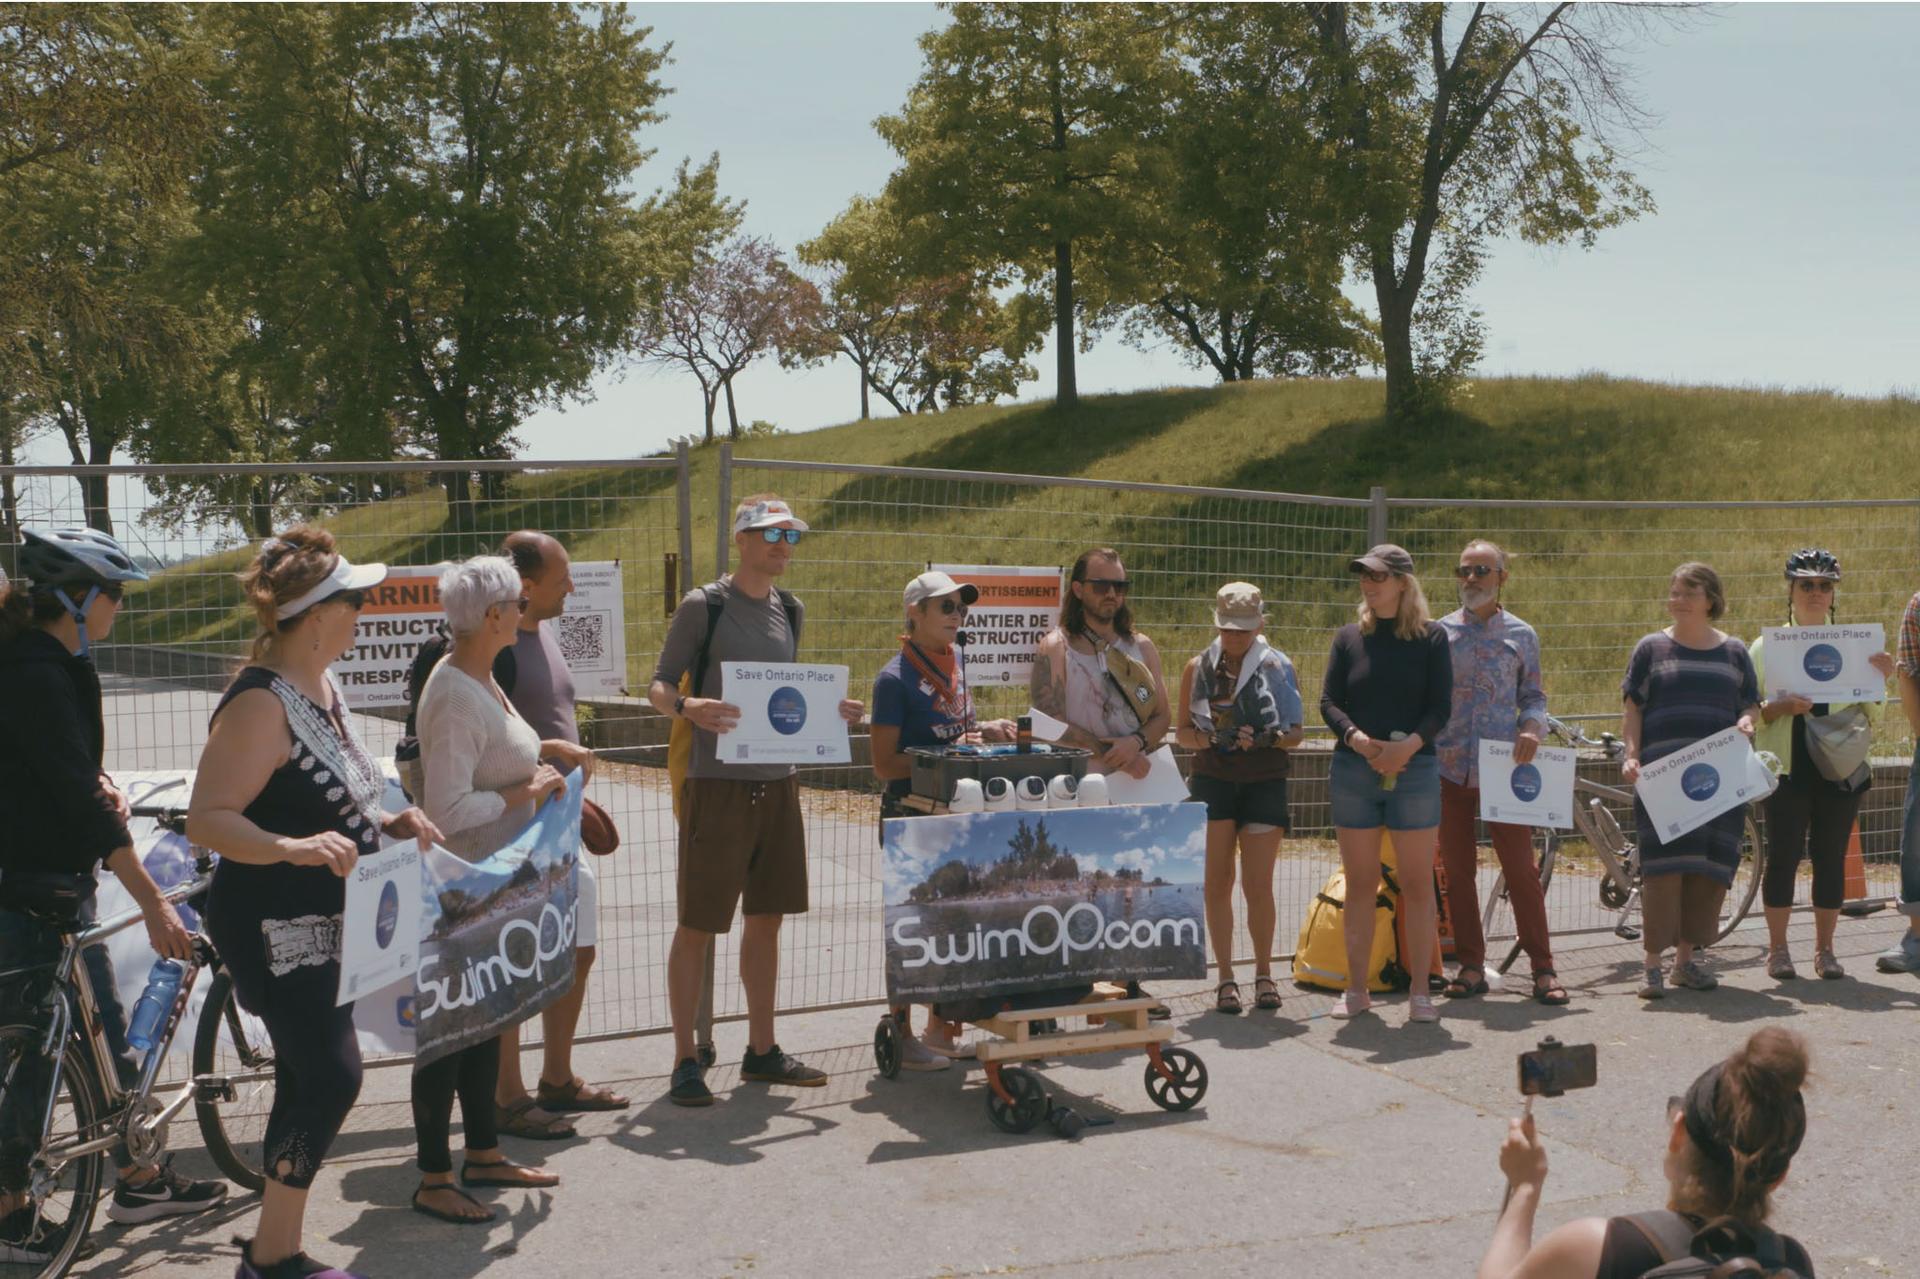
<point x="951" y="606"/>
<point x="1814" y="585"/>
<point x="520" y="603"/>
<point x="774" y="535"/>
<point x="1375" y="575"/>
<point x="1102" y="585"/>
<point x="1465" y="571"/>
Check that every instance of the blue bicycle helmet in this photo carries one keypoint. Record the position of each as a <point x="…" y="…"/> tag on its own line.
<point x="66" y="559"/>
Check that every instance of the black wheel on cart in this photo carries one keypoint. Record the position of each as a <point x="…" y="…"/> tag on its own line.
<point x="887" y="1046"/>
<point x="1188" y="1085"/>
<point x="1029" y="1101"/>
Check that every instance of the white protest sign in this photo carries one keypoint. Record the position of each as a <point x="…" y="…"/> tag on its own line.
<point x="789" y="714"/>
<point x="403" y="611"/>
<point x="1697" y="783"/>
<point x="1537" y="793"/>
<point x="1825" y="663"/>
<point x="1016" y="608"/>
<point x="380" y="929"/>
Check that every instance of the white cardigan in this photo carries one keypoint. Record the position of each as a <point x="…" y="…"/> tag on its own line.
<point x="473" y="745"/>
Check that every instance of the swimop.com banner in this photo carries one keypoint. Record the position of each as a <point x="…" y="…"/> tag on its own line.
<point x="981" y="904"/>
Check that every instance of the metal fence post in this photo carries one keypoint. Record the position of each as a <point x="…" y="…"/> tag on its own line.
<point x="1377" y="516"/>
<point x="723" y="512"/>
<point x="686" y="512"/>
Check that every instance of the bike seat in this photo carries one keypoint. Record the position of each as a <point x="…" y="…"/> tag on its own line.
<point x="54" y="898"/>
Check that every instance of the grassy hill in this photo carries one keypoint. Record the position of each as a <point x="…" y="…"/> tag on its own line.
<point x="1591" y="580"/>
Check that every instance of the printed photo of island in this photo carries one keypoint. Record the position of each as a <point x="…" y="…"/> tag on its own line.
<point x="994" y="903"/>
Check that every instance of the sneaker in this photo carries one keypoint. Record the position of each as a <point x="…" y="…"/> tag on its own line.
<point x="1902" y="957"/>
<point x="688" y="1088"/>
<point x="1780" y="964"/>
<point x="1159" y="1011"/>
<point x="915" y="1055"/>
<point x="24" y="1243"/>
<point x="166" y="1194"/>
<point x="1350" y="1005"/>
<point x="775" y="1067"/>
<point x="1693" y="976"/>
<point x="1655" y="986"/>
<point x="1421" y="1008"/>
<point x="936" y="1039"/>
<point x="298" y="1266"/>
<point x="1826" y="967"/>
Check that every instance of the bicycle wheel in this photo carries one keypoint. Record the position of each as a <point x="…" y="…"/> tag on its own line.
<point x="233" y="1064"/>
<point x="70" y="1196"/>
<point x="1746" y="879"/>
<point x="1496" y="919"/>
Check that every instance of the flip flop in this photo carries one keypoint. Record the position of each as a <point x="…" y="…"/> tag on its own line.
<point x="1266" y="993"/>
<point x="1460" y="988"/>
<point x="1226" y="999"/>
<point x="451" y="1218"/>
<point x="517" y="1121"/>
<point x="577" y="1095"/>
<point x="473" y="1173"/>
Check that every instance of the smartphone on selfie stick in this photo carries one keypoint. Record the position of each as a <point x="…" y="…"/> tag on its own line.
<point x="1554" y="1069"/>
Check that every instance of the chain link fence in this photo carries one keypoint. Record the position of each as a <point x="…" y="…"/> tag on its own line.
<point x="1590" y="576"/>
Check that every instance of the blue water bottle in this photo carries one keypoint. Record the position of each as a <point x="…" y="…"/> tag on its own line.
<point x="156" y="1002"/>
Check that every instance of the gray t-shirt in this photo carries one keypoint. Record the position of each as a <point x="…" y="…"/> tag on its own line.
<point x="749" y="630"/>
<point x="543" y="690"/>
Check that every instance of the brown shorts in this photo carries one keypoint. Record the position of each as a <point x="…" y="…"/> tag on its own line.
<point x="741" y="844"/>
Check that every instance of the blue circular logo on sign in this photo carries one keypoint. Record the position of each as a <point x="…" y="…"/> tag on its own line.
<point x="1700" y="781"/>
<point x="387" y="917"/>
<point x="1822" y="662"/>
<point x="787" y="710"/>
<point x="1526" y="783"/>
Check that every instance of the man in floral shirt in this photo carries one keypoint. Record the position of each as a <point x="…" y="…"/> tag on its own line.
<point x="1904" y="957"/>
<point x="1497" y="696"/>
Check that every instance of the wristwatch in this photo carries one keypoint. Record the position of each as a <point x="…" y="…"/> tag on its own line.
<point x="680" y="707"/>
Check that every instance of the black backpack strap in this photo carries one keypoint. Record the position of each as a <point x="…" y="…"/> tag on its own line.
<point x="715" y="607"/>
<point x="1668" y="1233"/>
<point x="790" y="605"/>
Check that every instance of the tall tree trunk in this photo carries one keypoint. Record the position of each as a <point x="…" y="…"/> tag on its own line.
<point x="9" y="500"/>
<point x="95" y="488"/>
<point x="1396" y="341"/>
<point x="260" y="508"/>
<point x="866" y="402"/>
<point x="1067" y="393"/>
<point x="707" y="397"/>
<point x="733" y="415"/>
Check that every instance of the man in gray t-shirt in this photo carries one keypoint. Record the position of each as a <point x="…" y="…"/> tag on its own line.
<point x="742" y="838"/>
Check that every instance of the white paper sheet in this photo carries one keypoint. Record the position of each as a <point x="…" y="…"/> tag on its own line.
<point x="1162" y="784"/>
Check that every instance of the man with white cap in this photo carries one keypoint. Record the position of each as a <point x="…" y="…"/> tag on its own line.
<point x="921" y="699"/>
<point x="742" y="838"/>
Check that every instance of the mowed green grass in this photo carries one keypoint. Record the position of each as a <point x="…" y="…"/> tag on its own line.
<point x="1591" y="581"/>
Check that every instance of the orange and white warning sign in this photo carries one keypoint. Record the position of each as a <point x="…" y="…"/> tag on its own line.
<point x="1016" y="608"/>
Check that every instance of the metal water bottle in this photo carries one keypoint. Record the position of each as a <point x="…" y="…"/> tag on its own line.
<point x="155" y="1004"/>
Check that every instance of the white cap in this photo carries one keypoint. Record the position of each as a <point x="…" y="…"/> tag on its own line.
<point x="345" y="576"/>
<point x="753" y="515"/>
<point x="932" y="585"/>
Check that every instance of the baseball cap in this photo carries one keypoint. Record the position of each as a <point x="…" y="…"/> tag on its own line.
<point x="1384" y="558"/>
<point x="932" y="585"/>
<point x="1237" y="607"/>
<point x="765" y="514"/>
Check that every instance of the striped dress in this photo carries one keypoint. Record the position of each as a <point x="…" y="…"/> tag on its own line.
<point x="1685" y="694"/>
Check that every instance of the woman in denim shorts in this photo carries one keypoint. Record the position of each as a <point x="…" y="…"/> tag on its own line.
<point x="1387" y="694"/>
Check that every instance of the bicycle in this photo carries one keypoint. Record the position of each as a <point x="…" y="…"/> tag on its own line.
<point x="1619" y="856"/>
<point x="84" y="1110"/>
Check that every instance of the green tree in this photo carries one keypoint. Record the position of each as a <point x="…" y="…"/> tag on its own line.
<point x="1242" y="271"/>
<point x="1026" y="149"/>
<point x="1463" y="124"/>
<point x="428" y="205"/>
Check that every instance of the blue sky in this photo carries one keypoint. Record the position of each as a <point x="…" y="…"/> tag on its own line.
<point x="1168" y="840"/>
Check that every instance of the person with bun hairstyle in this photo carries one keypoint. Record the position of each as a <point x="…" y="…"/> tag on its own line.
<point x="1730" y="1140"/>
<point x="1810" y="814"/>
<point x="1683" y="684"/>
<point x="61" y="817"/>
<point x="290" y="799"/>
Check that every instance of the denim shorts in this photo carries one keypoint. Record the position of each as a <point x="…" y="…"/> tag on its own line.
<point x="1360" y="802"/>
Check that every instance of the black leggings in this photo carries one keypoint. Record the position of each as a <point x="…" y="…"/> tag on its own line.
<point x="1808" y="816"/>
<point x="472" y="1072"/>
<point x="316" y="1071"/>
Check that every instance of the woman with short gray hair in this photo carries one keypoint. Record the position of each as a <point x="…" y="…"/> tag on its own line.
<point x="483" y="775"/>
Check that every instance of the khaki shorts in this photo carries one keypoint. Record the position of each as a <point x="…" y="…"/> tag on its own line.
<point x="741" y="844"/>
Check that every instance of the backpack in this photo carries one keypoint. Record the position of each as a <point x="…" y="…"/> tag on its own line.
<point x="1721" y="1249"/>
<point x="506" y="670"/>
<point x="1320" y="956"/>
<point x="680" y="736"/>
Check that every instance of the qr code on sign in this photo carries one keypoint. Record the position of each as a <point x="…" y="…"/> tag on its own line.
<point x="583" y="638"/>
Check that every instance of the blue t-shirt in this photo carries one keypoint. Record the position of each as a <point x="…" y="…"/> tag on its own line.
<point x="905" y="699"/>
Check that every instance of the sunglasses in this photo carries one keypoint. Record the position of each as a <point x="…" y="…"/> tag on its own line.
<point x="1814" y="585"/>
<point x="1102" y="585"/>
<point x="113" y="591"/>
<point x="950" y="606"/>
<point x="1465" y="571"/>
<point x="1375" y="575"/>
<point x="775" y="535"/>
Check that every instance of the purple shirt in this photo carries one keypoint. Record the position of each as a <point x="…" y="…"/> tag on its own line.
<point x="1496" y="688"/>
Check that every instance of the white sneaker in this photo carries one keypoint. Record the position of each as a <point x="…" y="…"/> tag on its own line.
<point x="917" y="1056"/>
<point x="1420" y="1008"/>
<point x="1350" y="1005"/>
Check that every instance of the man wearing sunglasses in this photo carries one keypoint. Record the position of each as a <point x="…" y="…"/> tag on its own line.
<point x="742" y="837"/>
<point x="1497" y="696"/>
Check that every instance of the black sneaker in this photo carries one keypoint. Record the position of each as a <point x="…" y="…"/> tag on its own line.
<point x="688" y="1088"/>
<point x="23" y="1243"/>
<point x="1159" y="1011"/>
<point x="168" y="1194"/>
<point x="775" y="1067"/>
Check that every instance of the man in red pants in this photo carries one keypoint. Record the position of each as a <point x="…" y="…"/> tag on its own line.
<point x="1497" y="696"/>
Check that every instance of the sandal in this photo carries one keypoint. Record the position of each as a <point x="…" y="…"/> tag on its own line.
<point x="578" y="1095"/>
<point x="1460" y="988"/>
<point x="519" y="1120"/>
<point x="1227" y="999"/>
<point x="1548" y="990"/>
<point x="451" y="1218"/>
<point x="1266" y="993"/>
<point x="505" y="1172"/>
